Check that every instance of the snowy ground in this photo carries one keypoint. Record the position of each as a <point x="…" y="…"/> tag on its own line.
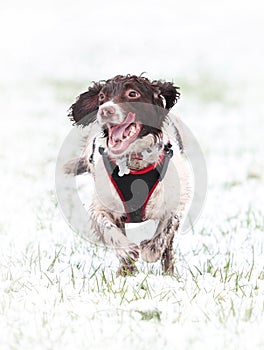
<point x="57" y="291"/>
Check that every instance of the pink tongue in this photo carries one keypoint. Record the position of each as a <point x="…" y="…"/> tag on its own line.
<point x="116" y="133"/>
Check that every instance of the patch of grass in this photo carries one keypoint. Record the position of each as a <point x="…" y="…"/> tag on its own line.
<point x="150" y="315"/>
<point x="205" y="87"/>
<point x="231" y="184"/>
<point x="65" y="91"/>
<point x="254" y="175"/>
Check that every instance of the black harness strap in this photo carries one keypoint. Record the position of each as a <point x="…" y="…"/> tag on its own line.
<point x="136" y="188"/>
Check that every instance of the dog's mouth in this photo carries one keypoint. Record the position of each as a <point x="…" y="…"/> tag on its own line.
<point x="123" y="134"/>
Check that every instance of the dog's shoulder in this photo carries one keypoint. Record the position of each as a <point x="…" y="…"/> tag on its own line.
<point x="90" y="142"/>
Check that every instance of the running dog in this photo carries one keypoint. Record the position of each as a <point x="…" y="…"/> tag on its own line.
<point x="139" y="169"/>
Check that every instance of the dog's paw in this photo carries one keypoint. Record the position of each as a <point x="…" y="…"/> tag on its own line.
<point x="128" y="256"/>
<point x="133" y="251"/>
<point x="167" y="262"/>
<point x="127" y="270"/>
<point x="76" y="166"/>
<point x="150" y="250"/>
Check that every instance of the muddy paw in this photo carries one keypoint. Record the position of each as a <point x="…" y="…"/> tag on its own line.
<point x="150" y="251"/>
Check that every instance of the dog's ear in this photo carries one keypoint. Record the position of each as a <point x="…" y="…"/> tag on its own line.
<point x="83" y="111"/>
<point x="169" y="92"/>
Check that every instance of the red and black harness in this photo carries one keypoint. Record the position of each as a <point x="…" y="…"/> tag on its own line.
<point x="136" y="188"/>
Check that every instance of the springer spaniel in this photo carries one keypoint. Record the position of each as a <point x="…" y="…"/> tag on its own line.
<point x="139" y="170"/>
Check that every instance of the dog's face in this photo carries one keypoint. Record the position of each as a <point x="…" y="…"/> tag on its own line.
<point x="127" y="108"/>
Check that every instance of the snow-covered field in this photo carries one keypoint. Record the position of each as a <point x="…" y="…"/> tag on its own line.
<point x="58" y="291"/>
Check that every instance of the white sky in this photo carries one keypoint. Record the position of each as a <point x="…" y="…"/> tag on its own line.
<point x="94" y="40"/>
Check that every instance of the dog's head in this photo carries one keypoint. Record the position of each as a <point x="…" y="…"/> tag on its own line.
<point x="113" y="104"/>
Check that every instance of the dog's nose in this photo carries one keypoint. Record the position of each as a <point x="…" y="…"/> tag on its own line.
<point x="107" y="111"/>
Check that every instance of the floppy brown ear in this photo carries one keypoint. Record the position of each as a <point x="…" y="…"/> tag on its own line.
<point x="169" y="92"/>
<point x="83" y="111"/>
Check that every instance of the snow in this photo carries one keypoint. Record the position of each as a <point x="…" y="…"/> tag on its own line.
<point x="58" y="290"/>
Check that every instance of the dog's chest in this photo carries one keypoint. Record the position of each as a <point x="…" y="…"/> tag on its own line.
<point x="105" y="193"/>
<point x="134" y="190"/>
<point x="127" y="195"/>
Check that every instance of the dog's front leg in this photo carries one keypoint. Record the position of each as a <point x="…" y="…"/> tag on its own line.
<point x="160" y="246"/>
<point x="112" y="233"/>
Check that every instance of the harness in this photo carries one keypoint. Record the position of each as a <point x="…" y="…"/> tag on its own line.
<point x="136" y="188"/>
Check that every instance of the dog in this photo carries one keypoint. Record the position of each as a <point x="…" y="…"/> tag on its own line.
<point x="139" y="170"/>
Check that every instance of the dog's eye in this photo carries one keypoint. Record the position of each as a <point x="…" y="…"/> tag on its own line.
<point x="132" y="93"/>
<point x="101" y="96"/>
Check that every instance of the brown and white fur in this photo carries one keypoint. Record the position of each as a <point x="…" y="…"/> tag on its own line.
<point x="128" y="132"/>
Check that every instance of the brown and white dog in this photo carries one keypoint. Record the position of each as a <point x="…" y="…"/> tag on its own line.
<point x="139" y="171"/>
